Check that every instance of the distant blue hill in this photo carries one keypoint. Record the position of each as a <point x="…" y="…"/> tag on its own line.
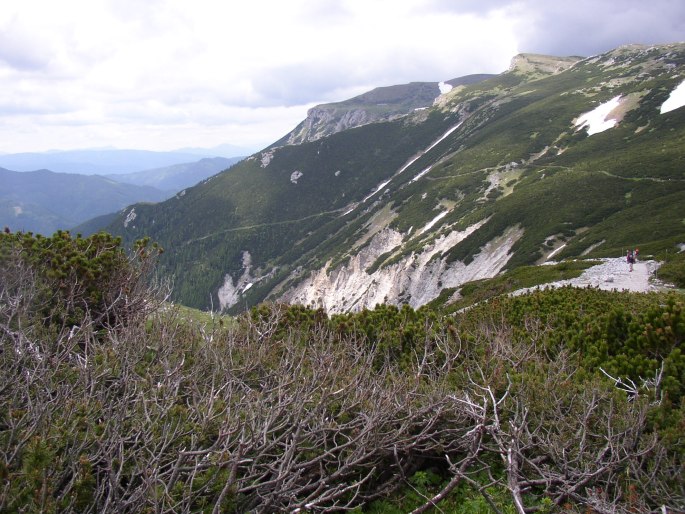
<point x="43" y="201"/>
<point x="177" y="176"/>
<point x="100" y="162"/>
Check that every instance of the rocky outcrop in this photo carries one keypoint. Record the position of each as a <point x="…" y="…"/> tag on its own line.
<point x="323" y="121"/>
<point x="229" y="293"/>
<point x="537" y="64"/>
<point x="380" y="104"/>
<point x="415" y="279"/>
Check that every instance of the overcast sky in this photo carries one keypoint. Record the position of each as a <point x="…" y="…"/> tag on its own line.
<point x="167" y="74"/>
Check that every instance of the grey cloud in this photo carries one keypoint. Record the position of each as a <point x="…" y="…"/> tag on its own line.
<point x="581" y="27"/>
<point x="297" y="85"/>
<point x="588" y="27"/>
<point x="322" y="81"/>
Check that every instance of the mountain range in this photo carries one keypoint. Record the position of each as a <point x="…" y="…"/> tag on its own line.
<point x="407" y="193"/>
<point x="106" y="161"/>
<point x="43" y="201"/>
<point x="175" y="177"/>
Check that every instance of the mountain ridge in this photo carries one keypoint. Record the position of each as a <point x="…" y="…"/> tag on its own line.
<point x="395" y="211"/>
<point x="380" y="104"/>
<point x="95" y="161"/>
<point x="175" y="177"/>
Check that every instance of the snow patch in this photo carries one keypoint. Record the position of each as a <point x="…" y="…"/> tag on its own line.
<point x="295" y="175"/>
<point x="592" y="247"/>
<point x="409" y="163"/>
<point x="421" y="174"/>
<point x="443" y="137"/>
<point x="378" y="188"/>
<point x="556" y="251"/>
<point x="597" y="120"/>
<point x="432" y="222"/>
<point x="675" y="100"/>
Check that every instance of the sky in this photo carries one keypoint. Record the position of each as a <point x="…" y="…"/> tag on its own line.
<point x="169" y="74"/>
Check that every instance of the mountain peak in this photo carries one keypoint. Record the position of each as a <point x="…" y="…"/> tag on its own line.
<point x="539" y="64"/>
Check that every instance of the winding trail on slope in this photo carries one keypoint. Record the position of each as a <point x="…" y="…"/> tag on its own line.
<point x="609" y="174"/>
<point x="260" y="225"/>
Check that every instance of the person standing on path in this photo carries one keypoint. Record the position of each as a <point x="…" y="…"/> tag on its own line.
<point x="630" y="259"/>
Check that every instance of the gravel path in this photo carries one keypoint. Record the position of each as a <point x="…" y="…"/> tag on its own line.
<point x="612" y="274"/>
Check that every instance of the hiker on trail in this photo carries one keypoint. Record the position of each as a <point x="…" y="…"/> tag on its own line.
<point x="630" y="258"/>
<point x="637" y="250"/>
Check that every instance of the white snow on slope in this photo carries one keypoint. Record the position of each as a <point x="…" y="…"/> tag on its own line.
<point x="675" y="100"/>
<point x="421" y="174"/>
<point x="556" y="252"/>
<point x="596" y="120"/>
<point x="130" y="217"/>
<point x="432" y="222"/>
<point x="378" y="188"/>
<point x="442" y="137"/>
<point x="444" y="87"/>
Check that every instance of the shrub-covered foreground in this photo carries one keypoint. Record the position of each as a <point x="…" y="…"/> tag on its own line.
<point x="557" y="401"/>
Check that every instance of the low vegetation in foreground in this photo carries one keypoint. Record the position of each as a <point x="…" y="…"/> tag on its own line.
<point x="112" y="401"/>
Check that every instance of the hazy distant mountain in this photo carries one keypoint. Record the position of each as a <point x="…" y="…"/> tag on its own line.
<point x="178" y="176"/>
<point x="100" y="162"/>
<point x="225" y="150"/>
<point x="43" y="201"/>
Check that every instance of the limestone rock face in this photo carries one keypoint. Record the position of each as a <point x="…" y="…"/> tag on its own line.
<point x="415" y="279"/>
<point x="322" y="122"/>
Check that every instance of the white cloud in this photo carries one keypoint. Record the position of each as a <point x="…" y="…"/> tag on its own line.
<point x="166" y="73"/>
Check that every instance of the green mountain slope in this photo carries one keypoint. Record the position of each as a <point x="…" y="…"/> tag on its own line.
<point x="496" y="174"/>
